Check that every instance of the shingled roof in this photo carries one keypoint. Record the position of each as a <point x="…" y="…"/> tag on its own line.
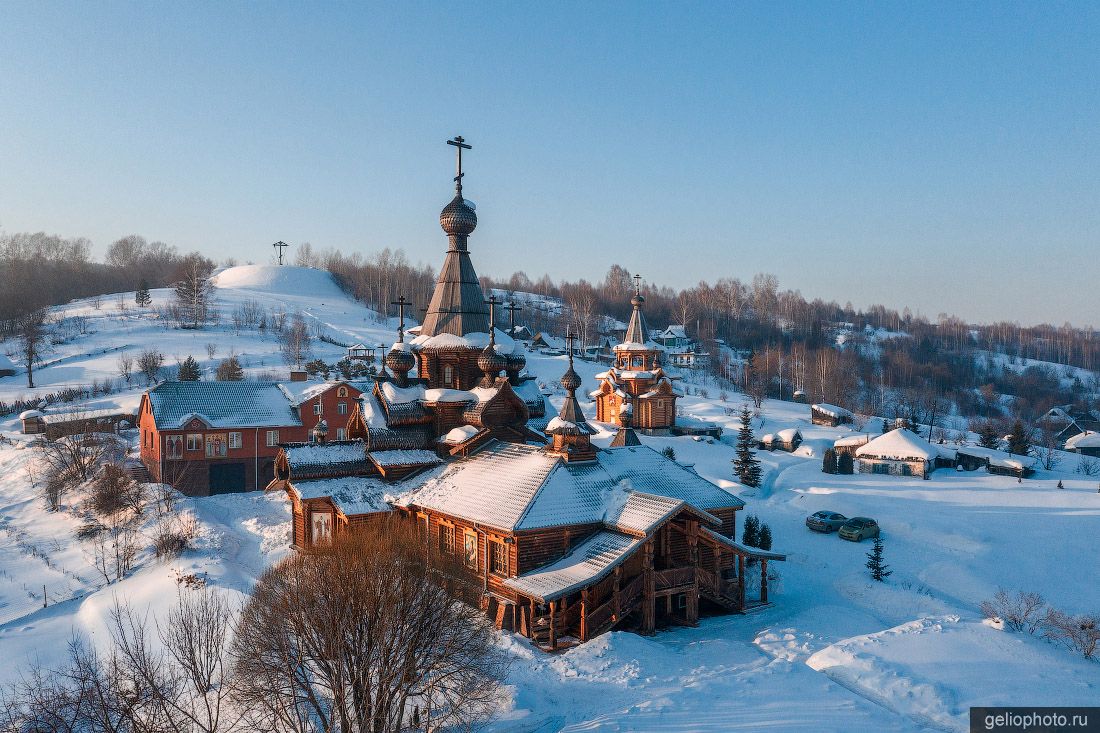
<point x="222" y="404"/>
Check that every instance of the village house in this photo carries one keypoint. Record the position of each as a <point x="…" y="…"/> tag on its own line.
<point x="825" y="414"/>
<point x="849" y="444"/>
<point x="54" y="424"/>
<point x="566" y="540"/>
<point x="220" y="437"/>
<point x="787" y="440"/>
<point x="1085" y="443"/>
<point x="899" y="452"/>
<point x="973" y="457"/>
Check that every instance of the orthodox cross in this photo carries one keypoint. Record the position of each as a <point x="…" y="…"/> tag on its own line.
<point x="280" y="245"/>
<point x="512" y="308"/>
<point x="460" y="145"/>
<point x="637" y="284"/>
<point x="382" y="361"/>
<point x="401" y="304"/>
<point x="493" y="302"/>
<point x="570" y="337"/>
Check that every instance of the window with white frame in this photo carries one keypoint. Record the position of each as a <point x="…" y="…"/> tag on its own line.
<point x="272" y="438"/>
<point x="342" y="408"/>
<point x="194" y="441"/>
<point x="341" y="434"/>
<point x="317" y="408"/>
<point x="235" y="440"/>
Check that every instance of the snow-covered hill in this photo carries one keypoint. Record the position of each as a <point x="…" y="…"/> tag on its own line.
<point x="837" y="651"/>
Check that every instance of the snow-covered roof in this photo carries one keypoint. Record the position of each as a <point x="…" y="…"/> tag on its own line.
<point x="996" y="457"/>
<point x="76" y="415"/>
<point x="350" y="494"/>
<point x="28" y="414"/>
<point x="674" y="331"/>
<point x="587" y="563"/>
<point x="831" y="410"/>
<point x="300" y="392"/>
<point x="504" y="343"/>
<point x="787" y="435"/>
<point x="1087" y="439"/>
<point x="851" y="440"/>
<point x="405" y="458"/>
<point x="518" y="487"/>
<point x="222" y="404"/>
<point x="460" y="434"/>
<point x="346" y="456"/>
<point x="898" y="445"/>
<point x="7" y="364"/>
<point x="745" y="549"/>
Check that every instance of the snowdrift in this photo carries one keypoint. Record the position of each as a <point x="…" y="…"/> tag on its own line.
<point x="286" y="280"/>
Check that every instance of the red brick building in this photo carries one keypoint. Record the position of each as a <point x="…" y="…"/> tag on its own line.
<point x="221" y="437"/>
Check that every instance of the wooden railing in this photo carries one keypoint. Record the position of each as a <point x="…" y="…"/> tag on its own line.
<point x="708" y="581"/>
<point x="665" y="580"/>
<point x="599" y="617"/>
<point x="630" y="593"/>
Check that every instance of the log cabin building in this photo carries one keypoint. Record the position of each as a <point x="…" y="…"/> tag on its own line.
<point x="636" y="392"/>
<point x="567" y="540"/>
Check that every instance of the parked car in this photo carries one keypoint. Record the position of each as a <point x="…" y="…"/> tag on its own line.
<point x="858" y="529"/>
<point x="825" y="521"/>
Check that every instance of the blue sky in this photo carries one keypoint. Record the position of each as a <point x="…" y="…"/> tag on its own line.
<point x="940" y="156"/>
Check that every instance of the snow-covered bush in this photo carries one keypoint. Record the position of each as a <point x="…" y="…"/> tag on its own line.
<point x="1080" y="634"/>
<point x="1020" y="612"/>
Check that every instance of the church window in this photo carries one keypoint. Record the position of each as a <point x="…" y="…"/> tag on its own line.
<point x="446" y="539"/>
<point x="498" y="558"/>
<point x="448" y="375"/>
<point x="194" y="441"/>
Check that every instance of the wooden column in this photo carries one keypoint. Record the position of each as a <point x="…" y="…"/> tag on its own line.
<point x="649" y="612"/>
<point x="741" y="580"/>
<point x="615" y="589"/>
<point x="584" y="615"/>
<point x="763" y="580"/>
<point x="553" y="625"/>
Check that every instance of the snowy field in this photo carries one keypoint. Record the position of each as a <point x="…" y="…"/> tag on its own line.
<point x="835" y="652"/>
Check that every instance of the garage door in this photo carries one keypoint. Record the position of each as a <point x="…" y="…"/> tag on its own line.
<point x="226" y="478"/>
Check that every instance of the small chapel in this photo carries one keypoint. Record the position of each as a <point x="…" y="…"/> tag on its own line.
<point x="567" y="540"/>
<point x="636" y="392"/>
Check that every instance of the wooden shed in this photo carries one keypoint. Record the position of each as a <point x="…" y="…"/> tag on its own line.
<point x="825" y="414"/>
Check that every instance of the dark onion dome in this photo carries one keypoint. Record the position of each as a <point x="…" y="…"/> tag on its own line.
<point x="458" y="217"/>
<point x="320" y="430"/>
<point x="516" y="362"/>
<point x="400" y="361"/>
<point x="491" y="362"/>
<point x="637" y="300"/>
<point x="570" y="380"/>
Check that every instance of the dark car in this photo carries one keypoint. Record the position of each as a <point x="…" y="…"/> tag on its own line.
<point x="824" y="521"/>
<point x="858" y="529"/>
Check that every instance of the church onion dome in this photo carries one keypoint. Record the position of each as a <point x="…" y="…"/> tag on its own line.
<point x="491" y="361"/>
<point x="458" y="217"/>
<point x="570" y="380"/>
<point x="638" y="300"/>
<point x="400" y="360"/>
<point x="516" y="361"/>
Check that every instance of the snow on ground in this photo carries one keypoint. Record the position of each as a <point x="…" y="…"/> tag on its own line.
<point x="835" y="652"/>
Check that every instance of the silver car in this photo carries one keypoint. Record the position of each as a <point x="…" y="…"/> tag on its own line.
<point x="824" y="521"/>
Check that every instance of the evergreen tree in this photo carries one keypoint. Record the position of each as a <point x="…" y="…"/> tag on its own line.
<point x="885" y="426"/>
<point x="230" y="370"/>
<point x="750" y="536"/>
<point x="669" y="452"/>
<point x="764" y="541"/>
<point x="142" y="297"/>
<point x="879" y="570"/>
<point x="987" y="435"/>
<point x="745" y="465"/>
<point x="1018" y="442"/>
<point x="828" y="461"/>
<point x="189" y="370"/>
<point x="845" y="465"/>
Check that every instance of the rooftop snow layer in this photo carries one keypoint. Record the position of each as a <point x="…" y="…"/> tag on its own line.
<point x="584" y="565"/>
<point x="898" y="445"/>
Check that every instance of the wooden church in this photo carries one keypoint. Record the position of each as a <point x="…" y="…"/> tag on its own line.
<point x="635" y="391"/>
<point x="566" y="540"/>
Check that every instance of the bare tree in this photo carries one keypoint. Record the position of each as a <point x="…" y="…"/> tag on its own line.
<point x="360" y="636"/>
<point x="149" y="363"/>
<point x="126" y="367"/>
<point x="295" y="341"/>
<point x="72" y="459"/>
<point x="194" y="292"/>
<point x="31" y="329"/>
<point x="211" y="350"/>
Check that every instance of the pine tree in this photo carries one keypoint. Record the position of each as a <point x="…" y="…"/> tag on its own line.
<point x="750" y="536"/>
<point x="879" y="570"/>
<point x="669" y="452"/>
<point x="828" y="461"/>
<point x="987" y="435"/>
<point x="189" y="370"/>
<point x="142" y="297"/>
<point x="1018" y="442"/>
<point x="845" y="464"/>
<point x="885" y="426"/>
<point x="230" y="370"/>
<point x="745" y="465"/>
<point x="764" y="541"/>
